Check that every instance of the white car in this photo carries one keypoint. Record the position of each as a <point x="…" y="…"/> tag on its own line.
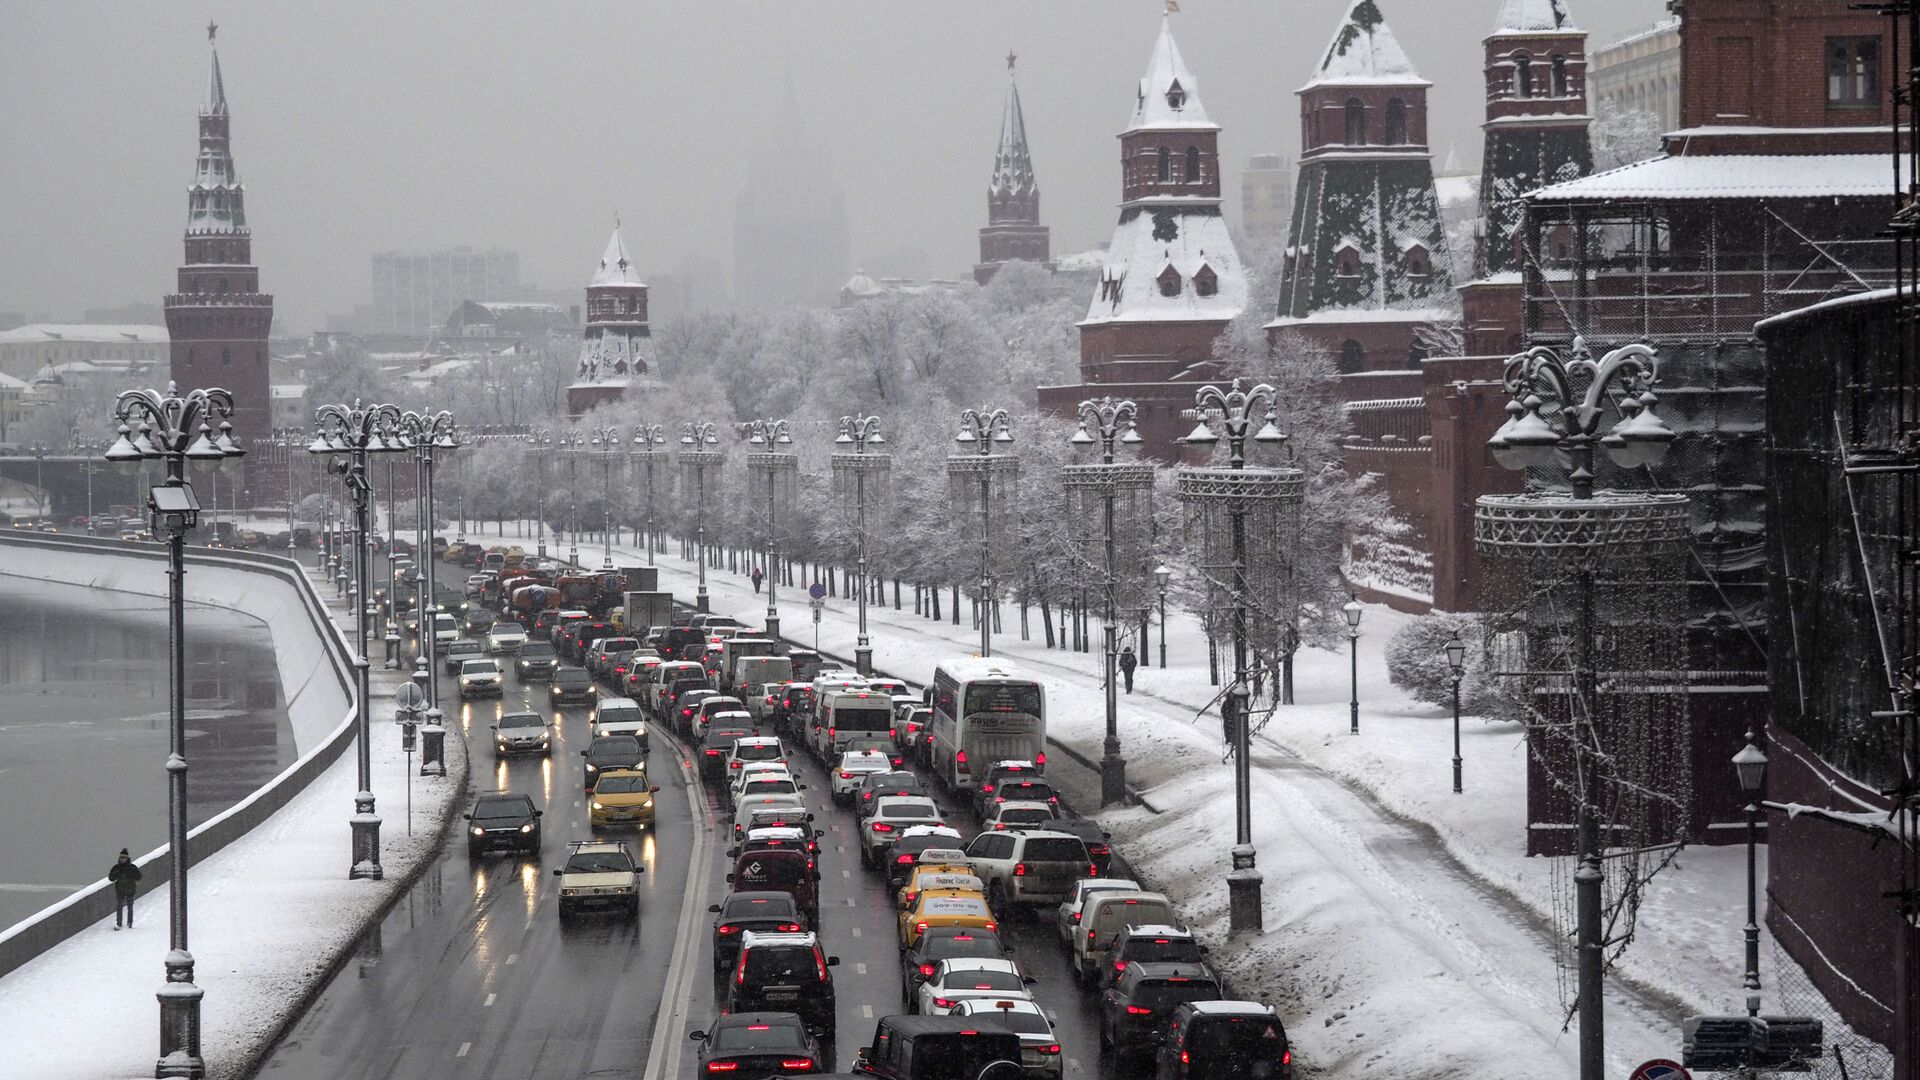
<point x="765" y="783"/>
<point x="620" y="716"/>
<point x="459" y="652"/>
<point x="479" y="678"/>
<point x="744" y="808"/>
<point x="855" y="766"/>
<point x="756" y="770"/>
<point x="1020" y="814"/>
<point x="1067" y="915"/>
<point x="446" y="629"/>
<point x="967" y="978"/>
<point x="891" y="688"/>
<point x="521" y="733"/>
<point x="506" y="637"/>
<point x="756" y="750"/>
<point x="1039" y="1047"/>
<point x="891" y="815"/>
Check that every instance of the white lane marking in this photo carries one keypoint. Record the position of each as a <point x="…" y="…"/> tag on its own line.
<point x="866" y="1011"/>
<point x="511" y="957"/>
<point x="856" y="931"/>
<point x="1074" y="1064"/>
<point x="664" y="1055"/>
<point x="849" y="901"/>
<point x="488" y="1004"/>
<point x="861" y="968"/>
<point x="846" y="873"/>
<point x="464" y="1047"/>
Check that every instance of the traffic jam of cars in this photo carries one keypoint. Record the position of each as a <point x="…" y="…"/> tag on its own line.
<point x="946" y="799"/>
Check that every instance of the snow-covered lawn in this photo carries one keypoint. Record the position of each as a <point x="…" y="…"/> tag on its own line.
<point x="269" y="916"/>
<point x="1407" y="932"/>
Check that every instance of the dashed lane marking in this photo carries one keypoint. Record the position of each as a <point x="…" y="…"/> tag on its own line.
<point x="856" y="931"/>
<point x="846" y="873"/>
<point x="488" y="1004"/>
<point x="866" y="1011"/>
<point x="511" y="957"/>
<point x="464" y="1047"/>
<point x="860" y="968"/>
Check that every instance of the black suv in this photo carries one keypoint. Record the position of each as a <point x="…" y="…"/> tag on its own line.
<point x="503" y="821"/>
<point x="935" y="1047"/>
<point x="753" y="1046"/>
<point x="611" y="752"/>
<point x="572" y="684"/>
<point x="678" y="638"/>
<point x="785" y="973"/>
<point x="1225" y="1040"/>
<point x="760" y="912"/>
<point x="1149" y="943"/>
<point x="937" y="943"/>
<point x="1133" y="1011"/>
<point x="537" y="660"/>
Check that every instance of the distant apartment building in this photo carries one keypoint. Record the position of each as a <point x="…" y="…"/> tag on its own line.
<point x="1640" y="72"/>
<point x="414" y="291"/>
<point x="1266" y="197"/>
<point x="63" y="352"/>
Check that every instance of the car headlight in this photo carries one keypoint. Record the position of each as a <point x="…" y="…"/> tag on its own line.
<point x="478" y="831"/>
<point x="527" y="828"/>
<point x="597" y="806"/>
<point x="591" y="767"/>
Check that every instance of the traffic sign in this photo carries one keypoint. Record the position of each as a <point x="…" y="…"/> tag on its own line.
<point x="1660" y="1069"/>
<point x="408" y="698"/>
<point x="817" y="591"/>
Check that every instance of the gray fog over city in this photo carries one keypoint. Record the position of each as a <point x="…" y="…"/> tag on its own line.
<point x="1166" y="540"/>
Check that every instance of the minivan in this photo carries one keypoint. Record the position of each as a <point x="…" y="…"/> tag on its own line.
<point x="1104" y="916"/>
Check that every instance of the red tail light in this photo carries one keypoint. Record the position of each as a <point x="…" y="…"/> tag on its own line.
<point x="960" y="762"/>
<point x="904" y="859"/>
<point x="790" y="928"/>
<point x="820" y="964"/>
<point x="797" y="1064"/>
<point x="1135" y="1010"/>
<point x="897" y="762"/>
<point x="730" y="764"/>
<point x="986" y="789"/>
<point x="725" y="930"/>
<point x="926" y="971"/>
<point x="1019" y="869"/>
<point x="713" y="753"/>
<point x="1286" y="1057"/>
<point x="845" y="775"/>
<point x="831" y="732"/>
<point x="1092" y="870"/>
<point x="944" y="1003"/>
<point x="881" y="826"/>
<point x="1119" y="966"/>
<point x="1050" y="1048"/>
<point x="722" y="1066"/>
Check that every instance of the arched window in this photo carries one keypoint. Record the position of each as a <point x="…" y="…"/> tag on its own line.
<point x="1559" y="76"/>
<point x="1166" y="165"/>
<point x="1522" y="75"/>
<point x="1353" y="357"/>
<point x="1356" y="122"/>
<point x="1396" y="122"/>
<point x="1193" y="164"/>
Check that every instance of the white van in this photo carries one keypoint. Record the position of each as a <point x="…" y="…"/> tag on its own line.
<point x="1103" y="916"/>
<point x="845" y="714"/>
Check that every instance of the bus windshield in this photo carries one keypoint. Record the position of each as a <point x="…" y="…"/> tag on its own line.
<point x="1003" y="698"/>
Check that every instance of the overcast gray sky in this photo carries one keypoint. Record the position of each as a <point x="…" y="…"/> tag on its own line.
<point x="365" y="127"/>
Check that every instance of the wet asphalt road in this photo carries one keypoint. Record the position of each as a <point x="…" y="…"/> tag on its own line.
<point x="471" y="975"/>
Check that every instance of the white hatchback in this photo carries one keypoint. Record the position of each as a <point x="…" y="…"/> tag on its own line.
<point x="967" y="978"/>
<point x="892" y="814"/>
<point x="855" y="766"/>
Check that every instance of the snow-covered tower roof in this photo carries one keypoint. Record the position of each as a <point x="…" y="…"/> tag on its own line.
<point x="216" y="203"/>
<point x="615" y="269"/>
<point x="1168" y="95"/>
<point x="1534" y="17"/>
<point x="1013" y="163"/>
<point x="1365" y="52"/>
<point x="216" y="103"/>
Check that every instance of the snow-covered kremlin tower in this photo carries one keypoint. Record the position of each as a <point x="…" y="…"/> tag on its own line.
<point x="218" y="319"/>
<point x="1013" y="229"/>
<point x="1367" y="262"/>
<point x="1172" y="279"/>
<point x="618" y="343"/>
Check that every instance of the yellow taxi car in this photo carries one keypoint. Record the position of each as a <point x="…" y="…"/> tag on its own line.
<point x="925" y="878"/>
<point x="622" y="797"/>
<point x="944" y="907"/>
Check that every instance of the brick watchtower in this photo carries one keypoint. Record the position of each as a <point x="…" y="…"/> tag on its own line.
<point x="219" y="319"/>
<point x="1367" y="260"/>
<point x="618" y="344"/>
<point x="1013" y="197"/>
<point x="1537" y="120"/>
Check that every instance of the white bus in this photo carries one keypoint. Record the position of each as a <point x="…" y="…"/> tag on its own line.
<point x="984" y="710"/>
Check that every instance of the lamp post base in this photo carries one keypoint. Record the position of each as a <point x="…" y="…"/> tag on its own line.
<point x="366" y="839"/>
<point x="700" y="600"/>
<point x="433" y="749"/>
<point x="1456" y="776"/>
<point x="1243" y="896"/>
<point x="863" y="659"/>
<point x="1113" y="775"/>
<point x="180" y="1020"/>
<point x="773" y="626"/>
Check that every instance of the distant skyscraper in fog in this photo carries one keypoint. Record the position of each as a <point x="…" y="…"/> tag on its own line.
<point x="1266" y="197"/>
<point x="790" y="223"/>
<point x="415" y="291"/>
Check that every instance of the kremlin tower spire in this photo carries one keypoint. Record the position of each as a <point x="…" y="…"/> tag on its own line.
<point x="218" y="319"/>
<point x="1013" y="196"/>
<point x="618" y="341"/>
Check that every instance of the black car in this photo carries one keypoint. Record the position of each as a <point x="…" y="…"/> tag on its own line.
<point x="937" y="943"/>
<point x="679" y="637"/>
<point x="503" y="821"/>
<point x="936" y="1048"/>
<point x="1225" y="1040"/>
<point x="787" y="972"/>
<point x="687" y="696"/>
<point x="713" y="749"/>
<point x="572" y="684"/>
<point x="1134" y="1010"/>
<point x="1151" y="944"/>
<point x="878" y="785"/>
<point x="537" y="660"/>
<point x="905" y="852"/>
<point x="612" y="752"/>
<point x="757" y="1045"/>
<point x="760" y="912"/>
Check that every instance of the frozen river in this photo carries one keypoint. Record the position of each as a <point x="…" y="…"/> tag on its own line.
<point x="83" y="730"/>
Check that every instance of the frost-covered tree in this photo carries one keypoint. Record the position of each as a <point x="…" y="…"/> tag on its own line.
<point x="1417" y="663"/>
<point x="1622" y="136"/>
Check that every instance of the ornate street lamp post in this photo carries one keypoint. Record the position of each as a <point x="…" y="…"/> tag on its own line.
<point x="539" y="442"/>
<point x="1456" y="651"/>
<point x="860" y="472"/>
<point x="428" y="435"/>
<point x="1162" y="575"/>
<point x="604" y="440"/>
<point x="1351" y="611"/>
<point x="1750" y="765"/>
<point x="696" y="463"/>
<point x="1557" y="407"/>
<point x="775" y="475"/>
<point x="651" y="453"/>
<point x="177" y="431"/>
<point x="1109" y="423"/>
<point x="1221" y="502"/>
<point x="568" y="443"/>
<point x="978" y="475"/>
<point x="349" y="434"/>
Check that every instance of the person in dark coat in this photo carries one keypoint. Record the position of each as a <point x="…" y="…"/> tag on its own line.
<point x="126" y="879"/>
<point x="1127" y="663"/>
<point x="758" y="576"/>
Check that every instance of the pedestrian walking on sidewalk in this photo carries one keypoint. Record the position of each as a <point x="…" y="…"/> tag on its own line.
<point x="1127" y="663"/>
<point x="126" y="878"/>
<point x="758" y="576"/>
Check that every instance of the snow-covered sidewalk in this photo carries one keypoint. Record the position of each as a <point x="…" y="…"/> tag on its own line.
<point x="270" y="914"/>
<point x="1407" y="930"/>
